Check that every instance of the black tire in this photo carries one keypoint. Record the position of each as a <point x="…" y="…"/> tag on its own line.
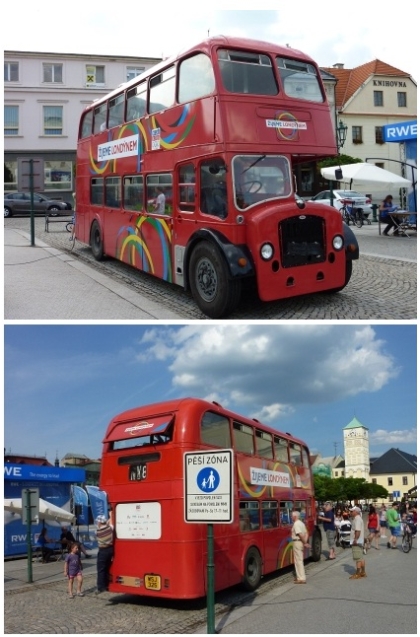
<point x="316" y="546"/>
<point x="69" y="226"/>
<point x="96" y="242"/>
<point x="212" y="289"/>
<point x="358" y="218"/>
<point x="53" y="211"/>
<point x="7" y="211"/>
<point x="252" y="569"/>
<point x="406" y="542"/>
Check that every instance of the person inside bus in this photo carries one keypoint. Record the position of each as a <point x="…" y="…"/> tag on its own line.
<point x="159" y="205"/>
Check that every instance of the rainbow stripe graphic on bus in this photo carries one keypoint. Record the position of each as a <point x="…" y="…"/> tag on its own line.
<point x="135" y="139"/>
<point x="132" y="247"/>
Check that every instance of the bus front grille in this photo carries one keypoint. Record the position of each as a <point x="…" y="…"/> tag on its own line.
<point x="302" y="240"/>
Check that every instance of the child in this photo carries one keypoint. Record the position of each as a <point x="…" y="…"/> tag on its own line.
<point x="73" y="568"/>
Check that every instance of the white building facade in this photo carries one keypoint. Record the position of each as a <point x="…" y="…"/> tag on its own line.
<point x="44" y="96"/>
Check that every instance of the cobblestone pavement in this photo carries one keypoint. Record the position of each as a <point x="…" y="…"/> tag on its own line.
<point x="44" y="607"/>
<point x="383" y="285"/>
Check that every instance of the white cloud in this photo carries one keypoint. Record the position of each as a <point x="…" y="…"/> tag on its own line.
<point x="384" y="437"/>
<point x="271" y="368"/>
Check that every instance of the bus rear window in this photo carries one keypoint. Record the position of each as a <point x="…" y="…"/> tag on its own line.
<point x="300" y="80"/>
<point x="247" y="73"/>
<point x="143" y="435"/>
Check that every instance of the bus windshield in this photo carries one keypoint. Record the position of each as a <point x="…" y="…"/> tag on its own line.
<point x="259" y="178"/>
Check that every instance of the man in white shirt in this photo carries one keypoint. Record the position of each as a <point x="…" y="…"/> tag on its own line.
<point x="357" y="540"/>
<point x="160" y="201"/>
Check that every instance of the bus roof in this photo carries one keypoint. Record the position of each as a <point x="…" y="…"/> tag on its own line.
<point x="206" y="46"/>
<point x="140" y="414"/>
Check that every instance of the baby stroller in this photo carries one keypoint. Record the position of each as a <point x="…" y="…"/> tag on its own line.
<point x="344" y="534"/>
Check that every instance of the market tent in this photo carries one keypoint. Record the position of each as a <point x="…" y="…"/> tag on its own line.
<point x="47" y="511"/>
<point x="365" y="176"/>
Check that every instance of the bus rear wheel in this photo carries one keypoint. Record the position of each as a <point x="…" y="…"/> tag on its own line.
<point x="214" y="292"/>
<point x="252" y="569"/>
<point x="96" y="242"/>
<point x="316" y="546"/>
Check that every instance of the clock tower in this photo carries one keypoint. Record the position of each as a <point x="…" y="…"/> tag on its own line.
<point x="356" y="450"/>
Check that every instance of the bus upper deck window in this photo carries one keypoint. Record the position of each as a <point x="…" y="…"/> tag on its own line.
<point x="300" y="80"/>
<point x="196" y="78"/>
<point x="247" y="72"/>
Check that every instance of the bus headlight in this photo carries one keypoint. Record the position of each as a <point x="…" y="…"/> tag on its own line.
<point x="338" y="242"/>
<point x="267" y="251"/>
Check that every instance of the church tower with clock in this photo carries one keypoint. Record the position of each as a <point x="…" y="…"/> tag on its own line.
<point x="356" y="450"/>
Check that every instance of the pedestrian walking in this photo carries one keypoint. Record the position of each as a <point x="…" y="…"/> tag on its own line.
<point x="300" y="541"/>
<point x="382" y="521"/>
<point x="328" y="522"/>
<point x="105" y="538"/>
<point x="73" y="570"/>
<point x="394" y="524"/>
<point x="373" y="527"/>
<point x="357" y="541"/>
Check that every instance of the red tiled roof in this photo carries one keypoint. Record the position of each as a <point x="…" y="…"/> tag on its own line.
<point x="350" y="80"/>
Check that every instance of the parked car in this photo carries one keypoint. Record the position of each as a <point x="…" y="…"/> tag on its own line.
<point x="20" y="203"/>
<point x="340" y="197"/>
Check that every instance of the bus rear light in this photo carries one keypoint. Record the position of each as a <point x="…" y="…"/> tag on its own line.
<point x="166" y="583"/>
<point x="338" y="242"/>
<point x="242" y="262"/>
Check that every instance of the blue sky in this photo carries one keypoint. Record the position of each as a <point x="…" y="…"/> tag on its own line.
<point x="352" y="34"/>
<point x="64" y="383"/>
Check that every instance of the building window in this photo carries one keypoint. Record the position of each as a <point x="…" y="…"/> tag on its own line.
<point x="379" y="137"/>
<point x="402" y="98"/>
<point x="390" y="482"/>
<point x="374" y="481"/>
<point x="378" y="98"/>
<point x="52" y="73"/>
<point x="356" y="133"/>
<point x="10" y="175"/>
<point x="53" y="120"/>
<point x="11" y="71"/>
<point x="11" y="120"/>
<point x="58" y="175"/>
<point x="95" y="76"/>
<point x="405" y="481"/>
<point x="134" y="71"/>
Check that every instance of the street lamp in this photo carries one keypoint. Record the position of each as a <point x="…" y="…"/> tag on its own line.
<point x="341" y="134"/>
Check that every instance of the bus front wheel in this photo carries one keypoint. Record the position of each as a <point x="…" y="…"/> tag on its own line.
<point x="252" y="569"/>
<point x="214" y="292"/>
<point x="96" y="242"/>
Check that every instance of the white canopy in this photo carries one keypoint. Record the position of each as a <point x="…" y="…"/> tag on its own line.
<point x="47" y="511"/>
<point x="364" y="175"/>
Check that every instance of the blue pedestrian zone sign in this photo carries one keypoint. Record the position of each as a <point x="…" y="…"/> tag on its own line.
<point x="208" y="486"/>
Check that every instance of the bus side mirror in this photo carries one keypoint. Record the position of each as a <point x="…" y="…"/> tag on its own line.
<point x="338" y="174"/>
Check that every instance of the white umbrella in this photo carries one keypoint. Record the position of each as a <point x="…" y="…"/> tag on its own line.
<point x="47" y="511"/>
<point x="365" y="175"/>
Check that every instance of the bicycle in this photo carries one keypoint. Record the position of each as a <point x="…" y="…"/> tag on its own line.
<point x="407" y="537"/>
<point x="71" y="227"/>
<point x="350" y="213"/>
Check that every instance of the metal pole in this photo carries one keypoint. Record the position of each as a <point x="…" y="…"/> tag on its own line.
<point x="31" y="190"/>
<point x="210" y="581"/>
<point x="29" y="532"/>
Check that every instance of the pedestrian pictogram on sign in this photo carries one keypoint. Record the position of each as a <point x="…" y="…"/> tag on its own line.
<point x="208" y="482"/>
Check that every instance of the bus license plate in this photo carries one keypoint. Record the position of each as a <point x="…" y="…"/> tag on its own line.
<point x="152" y="582"/>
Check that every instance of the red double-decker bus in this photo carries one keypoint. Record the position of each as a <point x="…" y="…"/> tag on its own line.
<point x="158" y="553"/>
<point x="186" y="172"/>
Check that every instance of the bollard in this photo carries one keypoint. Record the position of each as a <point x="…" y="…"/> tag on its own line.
<point x="374" y="210"/>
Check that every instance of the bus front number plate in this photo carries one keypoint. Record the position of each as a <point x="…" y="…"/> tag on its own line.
<point x="152" y="582"/>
